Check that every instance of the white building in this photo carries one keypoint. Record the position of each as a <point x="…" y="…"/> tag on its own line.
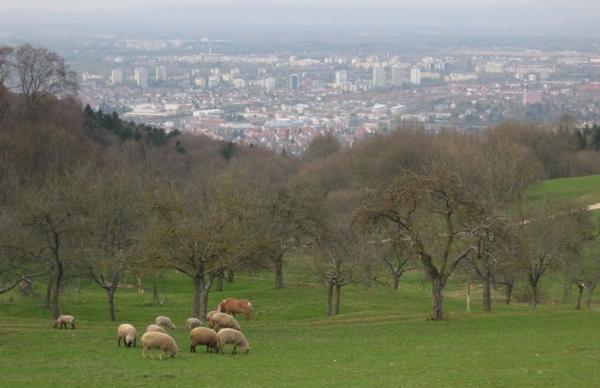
<point x="213" y="81"/>
<point x="378" y="76"/>
<point x="398" y="75"/>
<point x="116" y="76"/>
<point x="141" y="77"/>
<point x="160" y="73"/>
<point x="341" y="77"/>
<point x="415" y="76"/>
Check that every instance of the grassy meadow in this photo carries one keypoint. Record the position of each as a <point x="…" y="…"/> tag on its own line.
<point x="382" y="337"/>
<point x="583" y="190"/>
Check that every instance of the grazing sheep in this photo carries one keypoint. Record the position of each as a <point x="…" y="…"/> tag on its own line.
<point x="127" y="333"/>
<point x="192" y="323"/>
<point x="221" y="320"/>
<point x="164" y="322"/>
<point x="162" y="341"/>
<point x="203" y="336"/>
<point x="63" y="321"/>
<point x="155" y="328"/>
<point x="210" y="314"/>
<point x="233" y="306"/>
<point x="232" y="337"/>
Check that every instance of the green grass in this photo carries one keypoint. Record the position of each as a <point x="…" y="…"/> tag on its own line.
<point x="381" y="339"/>
<point x="583" y="190"/>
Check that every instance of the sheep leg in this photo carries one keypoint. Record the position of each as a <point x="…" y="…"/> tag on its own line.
<point x="119" y="342"/>
<point x="192" y="349"/>
<point x="134" y="342"/>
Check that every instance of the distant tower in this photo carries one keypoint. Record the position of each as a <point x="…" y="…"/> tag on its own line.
<point x="341" y="77"/>
<point x="141" y="77"/>
<point x="160" y="73"/>
<point x="415" y="76"/>
<point x="378" y="76"/>
<point x="294" y="82"/>
<point x="116" y="76"/>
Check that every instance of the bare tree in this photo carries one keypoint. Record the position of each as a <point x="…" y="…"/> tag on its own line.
<point x="397" y="260"/>
<point x="428" y="214"/>
<point x="197" y="231"/>
<point x="42" y="74"/>
<point x="112" y="224"/>
<point x="547" y="236"/>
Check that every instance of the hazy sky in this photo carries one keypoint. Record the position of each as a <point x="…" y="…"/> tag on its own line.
<point x="502" y="15"/>
<point x="79" y="5"/>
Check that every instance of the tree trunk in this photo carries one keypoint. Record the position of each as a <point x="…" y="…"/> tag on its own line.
<point x="55" y="301"/>
<point x="110" y="292"/>
<point x="204" y="301"/>
<point x="589" y="297"/>
<point x="397" y="281"/>
<point x="509" y="290"/>
<point x="230" y="276"/>
<point x="534" y="292"/>
<point x="220" y="279"/>
<point x="487" y="293"/>
<point x="437" y="289"/>
<point x="579" y="296"/>
<point x="198" y="283"/>
<point x="329" y="298"/>
<point x="338" y="296"/>
<point x="279" y="271"/>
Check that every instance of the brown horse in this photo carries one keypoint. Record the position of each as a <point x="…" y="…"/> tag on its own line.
<point x="233" y="306"/>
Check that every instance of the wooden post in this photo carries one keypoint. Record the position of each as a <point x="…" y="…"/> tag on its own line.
<point x="469" y="296"/>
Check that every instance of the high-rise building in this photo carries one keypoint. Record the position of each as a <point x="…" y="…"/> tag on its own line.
<point x="341" y="77"/>
<point x="141" y="77"/>
<point x="398" y="75"/>
<point x="378" y="76"/>
<point x="415" y="76"/>
<point x="116" y="76"/>
<point x="160" y="73"/>
<point x="294" y="82"/>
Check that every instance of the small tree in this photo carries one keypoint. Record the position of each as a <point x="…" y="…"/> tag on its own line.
<point x="396" y="257"/>
<point x="546" y="236"/>
<point x="112" y="224"/>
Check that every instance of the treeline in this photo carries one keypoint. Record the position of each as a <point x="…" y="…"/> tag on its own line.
<point x="85" y="195"/>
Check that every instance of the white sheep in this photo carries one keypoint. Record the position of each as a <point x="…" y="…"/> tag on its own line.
<point x="156" y="328"/>
<point x="192" y="323"/>
<point x="221" y="320"/>
<point x="164" y="322"/>
<point x="203" y="336"/>
<point x="63" y="321"/>
<point x="127" y="333"/>
<point x="232" y="337"/>
<point x="155" y="340"/>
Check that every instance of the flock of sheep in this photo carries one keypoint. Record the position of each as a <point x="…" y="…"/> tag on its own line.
<point x="222" y="329"/>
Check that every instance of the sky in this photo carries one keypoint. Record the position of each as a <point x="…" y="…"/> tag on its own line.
<point x="78" y="5"/>
<point x="501" y="14"/>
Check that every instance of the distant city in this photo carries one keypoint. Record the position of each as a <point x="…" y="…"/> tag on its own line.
<point x="281" y="100"/>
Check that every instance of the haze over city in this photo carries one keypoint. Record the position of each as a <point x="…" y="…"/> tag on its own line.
<point x="532" y="15"/>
